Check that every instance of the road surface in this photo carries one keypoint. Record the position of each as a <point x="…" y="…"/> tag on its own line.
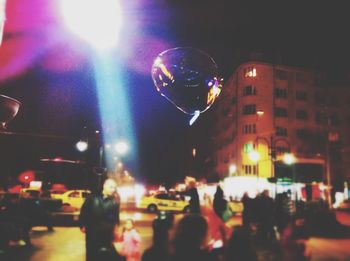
<point x="67" y="243"/>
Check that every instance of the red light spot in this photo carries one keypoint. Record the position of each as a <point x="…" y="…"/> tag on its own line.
<point x="26" y="176"/>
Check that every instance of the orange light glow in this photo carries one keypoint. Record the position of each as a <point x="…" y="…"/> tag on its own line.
<point x="194" y="152"/>
<point x="213" y="94"/>
<point x="260" y="113"/>
<point x="166" y="72"/>
<point x="250" y="72"/>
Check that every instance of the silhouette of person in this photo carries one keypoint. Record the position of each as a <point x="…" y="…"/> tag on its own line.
<point x="219" y="203"/>
<point x="266" y="216"/>
<point x="98" y="217"/>
<point x="193" y="193"/>
<point x="240" y="246"/>
<point x="190" y="240"/>
<point x="160" y="248"/>
<point x="247" y="210"/>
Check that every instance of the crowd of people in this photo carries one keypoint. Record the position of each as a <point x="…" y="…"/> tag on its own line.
<point x="202" y="234"/>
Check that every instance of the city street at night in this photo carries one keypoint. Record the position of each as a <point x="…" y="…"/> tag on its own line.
<point x="174" y="130"/>
<point x="67" y="243"/>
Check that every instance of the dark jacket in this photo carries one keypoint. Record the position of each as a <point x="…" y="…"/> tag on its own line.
<point x="219" y="203"/>
<point x="194" y="201"/>
<point x="99" y="215"/>
<point x="97" y="210"/>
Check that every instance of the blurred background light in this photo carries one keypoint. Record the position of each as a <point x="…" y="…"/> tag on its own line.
<point x="96" y="21"/>
<point x="81" y="145"/>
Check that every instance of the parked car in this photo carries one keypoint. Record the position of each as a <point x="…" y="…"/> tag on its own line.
<point x="164" y="202"/>
<point x="32" y="210"/>
<point x="74" y="198"/>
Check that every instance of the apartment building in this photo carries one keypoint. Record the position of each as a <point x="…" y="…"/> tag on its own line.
<point x="267" y="111"/>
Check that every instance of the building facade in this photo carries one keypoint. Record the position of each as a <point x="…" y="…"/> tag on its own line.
<point x="267" y="111"/>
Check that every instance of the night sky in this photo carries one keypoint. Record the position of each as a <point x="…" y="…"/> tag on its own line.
<point x="52" y="75"/>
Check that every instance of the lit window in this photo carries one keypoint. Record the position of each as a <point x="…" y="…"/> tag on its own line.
<point x="249" y="72"/>
<point x="250" y="169"/>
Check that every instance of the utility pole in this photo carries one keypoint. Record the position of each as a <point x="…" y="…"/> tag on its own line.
<point x="328" y="165"/>
<point x="273" y="157"/>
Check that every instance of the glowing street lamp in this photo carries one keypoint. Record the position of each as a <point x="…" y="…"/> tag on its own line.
<point x="289" y="158"/>
<point x="194" y="152"/>
<point x="254" y="156"/>
<point x="82" y="145"/>
<point x="232" y="169"/>
<point x="260" y="113"/>
<point x="121" y="147"/>
<point x="120" y="165"/>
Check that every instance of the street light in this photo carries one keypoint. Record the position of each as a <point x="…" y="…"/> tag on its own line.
<point x="121" y="147"/>
<point x="289" y="158"/>
<point x="232" y="169"/>
<point x="254" y="156"/>
<point x="271" y="143"/>
<point x="194" y="152"/>
<point x="260" y="113"/>
<point x="120" y="165"/>
<point x="82" y="145"/>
